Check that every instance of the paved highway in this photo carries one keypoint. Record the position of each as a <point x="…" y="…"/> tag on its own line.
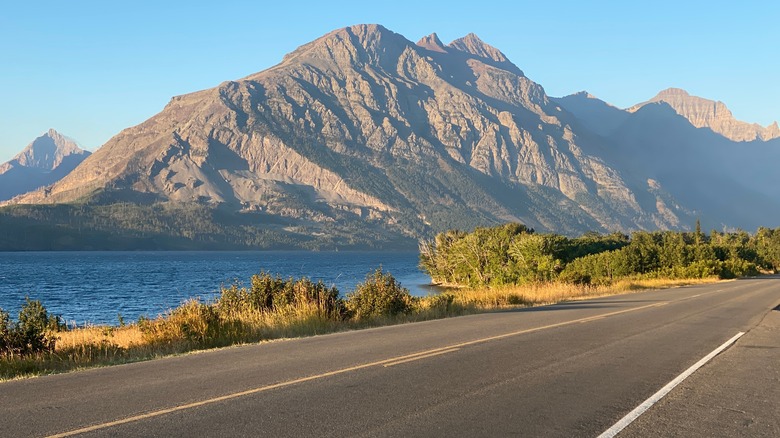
<point x="572" y="369"/>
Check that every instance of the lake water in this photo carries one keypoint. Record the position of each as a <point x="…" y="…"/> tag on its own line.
<point x="95" y="287"/>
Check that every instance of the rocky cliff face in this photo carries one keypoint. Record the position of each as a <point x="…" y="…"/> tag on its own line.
<point x="704" y="113"/>
<point x="365" y="126"/>
<point x="43" y="162"/>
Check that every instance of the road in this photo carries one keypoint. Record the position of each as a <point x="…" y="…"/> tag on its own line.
<point x="572" y="369"/>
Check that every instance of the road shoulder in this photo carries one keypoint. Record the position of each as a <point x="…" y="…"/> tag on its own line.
<point x="735" y="395"/>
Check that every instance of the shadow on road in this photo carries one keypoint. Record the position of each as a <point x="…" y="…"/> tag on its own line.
<point x="761" y="277"/>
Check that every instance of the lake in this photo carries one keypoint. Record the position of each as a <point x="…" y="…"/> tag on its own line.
<point x="96" y="287"/>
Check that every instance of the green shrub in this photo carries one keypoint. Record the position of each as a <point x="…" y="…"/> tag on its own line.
<point x="5" y="331"/>
<point x="271" y="294"/>
<point x="734" y="268"/>
<point x="32" y="333"/>
<point x="702" y="269"/>
<point x="380" y="295"/>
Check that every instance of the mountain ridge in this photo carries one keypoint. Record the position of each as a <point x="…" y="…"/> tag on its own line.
<point x="705" y="113"/>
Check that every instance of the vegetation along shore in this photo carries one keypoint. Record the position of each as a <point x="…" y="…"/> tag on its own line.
<point x="487" y="269"/>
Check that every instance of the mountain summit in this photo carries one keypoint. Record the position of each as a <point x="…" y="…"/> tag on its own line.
<point x="44" y="161"/>
<point x="705" y="113"/>
<point x="472" y="44"/>
<point x="432" y="42"/>
<point x="48" y="151"/>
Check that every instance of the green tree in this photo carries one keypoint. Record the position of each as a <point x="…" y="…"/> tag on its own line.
<point x="537" y="257"/>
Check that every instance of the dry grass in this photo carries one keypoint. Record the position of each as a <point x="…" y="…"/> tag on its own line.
<point x="124" y="337"/>
<point x="628" y="285"/>
<point x="549" y="293"/>
<point x="195" y="326"/>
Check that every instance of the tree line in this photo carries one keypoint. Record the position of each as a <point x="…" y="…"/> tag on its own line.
<point x="172" y="226"/>
<point x="513" y="254"/>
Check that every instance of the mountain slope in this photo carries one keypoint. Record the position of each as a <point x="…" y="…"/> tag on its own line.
<point x="43" y="162"/>
<point x="593" y="113"/>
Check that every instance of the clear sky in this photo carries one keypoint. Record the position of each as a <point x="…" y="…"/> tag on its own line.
<point x="92" y="68"/>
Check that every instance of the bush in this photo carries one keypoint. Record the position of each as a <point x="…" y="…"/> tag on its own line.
<point x="733" y="268"/>
<point x="194" y="324"/>
<point x="380" y="295"/>
<point x="32" y="333"/>
<point x="701" y="269"/>
<point x="271" y="294"/>
<point x="5" y="331"/>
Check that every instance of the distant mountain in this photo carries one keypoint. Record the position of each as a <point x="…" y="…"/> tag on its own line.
<point x="43" y="162"/>
<point x="593" y="113"/>
<point x="726" y="184"/>
<point x="364" y="138"/>
<point x="704" y="113"/>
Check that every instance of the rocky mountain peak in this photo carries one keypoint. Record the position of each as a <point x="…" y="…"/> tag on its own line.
<point x="358" y="44"/>
<point x="473" y="45"/>
<point x="47" y="151"/>
<point x="705" y="113"/>
<point x="671" y="93"/>
<point x="433" y="43"/>
<point x="46" y="160"/>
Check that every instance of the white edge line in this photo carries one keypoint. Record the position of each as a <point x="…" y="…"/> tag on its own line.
<point x="633" y="415"/>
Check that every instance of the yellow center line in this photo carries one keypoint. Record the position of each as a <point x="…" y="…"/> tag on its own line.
<point x="384" y="362"/>
<point x="398" y="362"/>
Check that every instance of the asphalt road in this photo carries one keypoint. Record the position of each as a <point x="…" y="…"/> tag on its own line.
<point x="572" y="369"/>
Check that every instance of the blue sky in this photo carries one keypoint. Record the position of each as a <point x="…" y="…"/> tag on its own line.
<point x="92" y="68"/>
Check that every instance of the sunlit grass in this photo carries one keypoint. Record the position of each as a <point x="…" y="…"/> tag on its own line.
<point x="548" y="293"/>
<point x="123" y="337"/>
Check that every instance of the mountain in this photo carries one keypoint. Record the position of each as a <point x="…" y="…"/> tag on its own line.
<point x="593" y="113"/>
<point x="363" y="138"/>
<point x="704" y="113"/>
<point x="724" y="183"/>
<point x="43" y="162"/>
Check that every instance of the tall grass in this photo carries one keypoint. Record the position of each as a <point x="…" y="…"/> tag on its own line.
<point x="273" y="308"/>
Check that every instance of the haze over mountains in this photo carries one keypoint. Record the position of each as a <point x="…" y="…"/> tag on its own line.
<point x="43" y="162"/>
<point x="363" y="129"/>
<point x="705" y="113"/>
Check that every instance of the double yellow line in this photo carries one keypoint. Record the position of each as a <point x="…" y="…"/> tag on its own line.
<point x="384" y="363"/>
